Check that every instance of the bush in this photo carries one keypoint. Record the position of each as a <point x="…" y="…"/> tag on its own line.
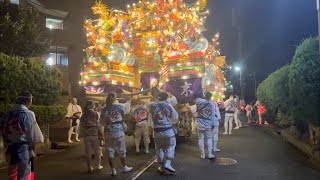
<point x="44" y="114"/>
<point x="283" y="120"/>
<point x="19" y="74"/>
<point x="304" y="84"/>
<point x="273" y="92"/>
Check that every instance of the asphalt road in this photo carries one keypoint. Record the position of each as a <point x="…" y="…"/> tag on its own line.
<point x="259" y="155"/>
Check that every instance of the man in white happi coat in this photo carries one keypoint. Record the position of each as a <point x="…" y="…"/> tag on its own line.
<point x="164" y="117"/>
<point x="140" y="115"/>
<point x="90" y="130"/>
<point x="112" y="118"/>
<point x="237" y="113"/>
<point x="21" y="133"/>
<point x="230" y="108"/>
<point x="74" y="114"/>
<point x="205" y="118"/>
<point x="216" y="124"/>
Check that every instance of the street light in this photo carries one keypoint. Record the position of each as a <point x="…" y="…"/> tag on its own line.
<point x="238" y="68"/>
<point x="318" y="9"/>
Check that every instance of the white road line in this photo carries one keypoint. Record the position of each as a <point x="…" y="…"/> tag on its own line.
<point x="135" y="175"/>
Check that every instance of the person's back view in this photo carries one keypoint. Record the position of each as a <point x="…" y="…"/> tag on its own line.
<point x="18" y="132"/>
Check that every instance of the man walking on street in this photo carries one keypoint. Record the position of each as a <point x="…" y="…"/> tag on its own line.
<point x="164" y="117"/>
<point x="237" y="113"/>
<point x="216" y="125"/>
<point x="140" y="115"/>
<point x="112" y="118"/>
<point x="205" y="118"/>
<point x="18" y="131"/>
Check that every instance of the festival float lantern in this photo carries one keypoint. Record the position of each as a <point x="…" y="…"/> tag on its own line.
<point x="213" y="79"/>
<point x="110" y="61"/>
<point x="153" y="40"/>
<point x="184" y="53"/>
<point x="162" y="31"/>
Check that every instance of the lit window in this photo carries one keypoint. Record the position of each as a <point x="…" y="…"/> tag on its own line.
<point x="58" y="56"/>
<point x="14" y="1"/>
<point x="54" y="23"/>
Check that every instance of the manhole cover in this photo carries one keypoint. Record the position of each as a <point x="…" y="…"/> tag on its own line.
<point x="226" y="161"/>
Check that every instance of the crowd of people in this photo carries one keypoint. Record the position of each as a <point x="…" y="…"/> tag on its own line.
<point x="105" y="127"/>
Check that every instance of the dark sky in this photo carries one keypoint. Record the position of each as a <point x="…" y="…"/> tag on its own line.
<point x="271" y="31"/>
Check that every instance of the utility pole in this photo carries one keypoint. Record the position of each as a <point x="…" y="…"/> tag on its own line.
<point x="318" y="9"/>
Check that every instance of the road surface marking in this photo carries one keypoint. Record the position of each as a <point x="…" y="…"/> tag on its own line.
<point x="143" y="169"/>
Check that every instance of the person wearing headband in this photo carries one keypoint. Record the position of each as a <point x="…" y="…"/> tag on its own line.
<point x="237" y="113"/>
<point x="230" y="107"/>
<point x="74" y="114"/>
<point x="140" y="116"/>
<point x="112" y="118"/>
<point x="90" y="129"/>
<point x="164" y="117"/>
<point x="216" y="122"/>
<point x="21" y="132"/>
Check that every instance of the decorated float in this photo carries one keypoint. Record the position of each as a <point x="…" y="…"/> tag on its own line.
<point x="153" y="43"/>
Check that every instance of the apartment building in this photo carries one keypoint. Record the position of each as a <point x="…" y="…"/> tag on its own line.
<point x="62" y="22"/>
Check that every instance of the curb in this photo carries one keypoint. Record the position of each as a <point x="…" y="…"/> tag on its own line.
<point x="311" y="152"/>
<point x="304" y="147"/>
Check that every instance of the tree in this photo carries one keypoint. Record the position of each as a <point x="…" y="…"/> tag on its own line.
<point x="18" y="74"/>
<point x="304" y="83"/>
<point x="19" y="31"/>
<point x="273" y="92"/>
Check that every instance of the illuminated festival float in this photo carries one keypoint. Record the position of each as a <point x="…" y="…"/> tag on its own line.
<point x="156" y="42"/>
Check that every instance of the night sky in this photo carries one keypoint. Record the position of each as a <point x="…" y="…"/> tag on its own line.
<point x="271" y="30"/>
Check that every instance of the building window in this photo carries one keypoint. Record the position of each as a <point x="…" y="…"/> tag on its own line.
<point x="14" y="1"/>
<point x="54" y="23"/>
<point x="58" y="56"/>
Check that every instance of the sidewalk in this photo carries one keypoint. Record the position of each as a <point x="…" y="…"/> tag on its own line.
<point x="312" y="152"/>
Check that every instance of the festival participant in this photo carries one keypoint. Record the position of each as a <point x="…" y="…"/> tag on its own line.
<point x="74" y="114"/>
<point x="229" y="106"/>
<point x="112" y="118"/>
<point x="261" y="109"/>
<point x="237" y="113"/>
<point x="249" y="110"/>
<point x="164" y="116"/>
<point x="216" y="124"/>
<point x="140" y="114"/>
<point x="98" y="109"/>
<point x="90" y="129"/>
<point x="205" y="119"/>
<point x="21" y="133"/>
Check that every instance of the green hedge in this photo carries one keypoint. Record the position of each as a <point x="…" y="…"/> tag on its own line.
<point x="44" y="114"/>
<point x="20" y="74"/>
<point x="292" y="93"/>
<point x="273" y="92"/>
<point x="304" y="83"/>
